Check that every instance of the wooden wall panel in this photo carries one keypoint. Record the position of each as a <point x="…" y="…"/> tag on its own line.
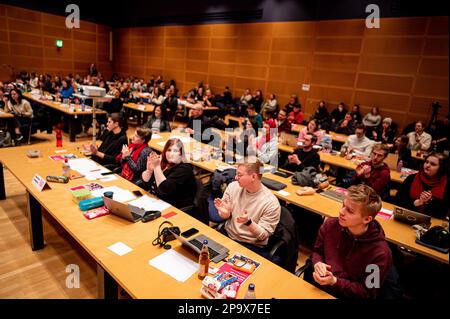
<point x="432" y="87"/>
<point x="338" y="45"/>
<point x="388" y="83"/>
<point x="335" y="78"/>
<point x="397" y="67"/>
<point x="290" y="59"/>
<point x="393" y="46"/>
<point x="400" y="27"/>
<point x="336" y="62"/>
<point x="389" y="64"/>
<point x="434" y="66"/>
<point x="222" y="55"/>
<point x="28" y="41"/>
<point x="300" y="29"/>
<point x="347" y="28"/>
<point x="436" y="46"/>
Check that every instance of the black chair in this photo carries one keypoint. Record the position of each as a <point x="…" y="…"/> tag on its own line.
<point x="199" y="209"/>
<point x="282" y="248"/>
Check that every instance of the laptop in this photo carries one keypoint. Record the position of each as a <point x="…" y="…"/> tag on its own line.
<point x="289" y="139"/>
<point x="126" y="211"/>
<point x="217" y="252"/>
<point x="391" y="161"/>
<point x="411" y="217"/>
<point x="335" y="195"/>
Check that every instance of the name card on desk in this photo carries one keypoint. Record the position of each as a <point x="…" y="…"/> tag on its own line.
<point x="141" y="107"/>
<point x="40" y="183"/>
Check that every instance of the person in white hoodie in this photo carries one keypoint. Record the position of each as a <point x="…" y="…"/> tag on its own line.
<point x="358" y="144"/>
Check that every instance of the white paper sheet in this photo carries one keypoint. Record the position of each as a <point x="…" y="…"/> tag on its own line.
<point x="120" y="194"/>
<point x="148" y="203"/>
<point x="161" y="143"/>
<point x="156" y="137"/>
<point x="107" y="178"/>
<point x="175" y="265"/>
<point x="120" y="248"/>
<point x="96" y="173"/>
<point x="83" y="165"/>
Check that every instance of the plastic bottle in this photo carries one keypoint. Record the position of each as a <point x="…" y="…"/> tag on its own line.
<point x="203" y="261"/>
<point x="250" y="294"/>
<point x="59" y="138"/>
<point x="66" y="169"/>
<point x="399" y="166"/>
<point x="83" y="106"/>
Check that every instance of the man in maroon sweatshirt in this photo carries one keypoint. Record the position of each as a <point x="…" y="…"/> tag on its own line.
<point x="374" y="173"/>
<point x="351" y="257"/>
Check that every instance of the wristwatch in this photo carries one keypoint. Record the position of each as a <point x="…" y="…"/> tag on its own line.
<point x="248" y="223"/>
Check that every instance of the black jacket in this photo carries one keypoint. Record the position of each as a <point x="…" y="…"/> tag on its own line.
<point x="115" y="106"/>
<point x="310" y="158"/>
<point x="179" y="188"/>
<point x="111" y="146"/>
<point x="286" y="231"/>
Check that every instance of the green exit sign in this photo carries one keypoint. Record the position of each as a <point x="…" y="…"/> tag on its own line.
<point x="59" y="43"/>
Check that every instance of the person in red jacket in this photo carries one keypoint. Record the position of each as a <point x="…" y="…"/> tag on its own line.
<point x="296" y="116"/>
<point x="374" y="173"/>
<point x="351" y="257"/>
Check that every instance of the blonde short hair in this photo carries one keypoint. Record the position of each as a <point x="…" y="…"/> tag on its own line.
<point x="366" y="196"/>
<point x="381" y="147"/>
<point x="252" y="165"/>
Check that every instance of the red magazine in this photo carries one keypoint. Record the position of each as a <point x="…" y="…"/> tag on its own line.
<point x="96" y="212"/>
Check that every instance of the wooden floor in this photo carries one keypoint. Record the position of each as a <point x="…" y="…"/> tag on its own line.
<point x="42" y="274"/>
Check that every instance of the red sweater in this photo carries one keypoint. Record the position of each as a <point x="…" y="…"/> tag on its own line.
<point x="379" y="177"/>
<point x="349" y="256"/>
<point x="298" y="117"/>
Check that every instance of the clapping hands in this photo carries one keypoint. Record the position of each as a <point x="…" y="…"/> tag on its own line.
<point x="223" y="206"/>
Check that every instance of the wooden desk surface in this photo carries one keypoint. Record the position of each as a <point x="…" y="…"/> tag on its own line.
<point x="339" y="161"/>
<point x="58" y="106"/>
<point x="205" y="108"/>
<point x="146" y="108"/>
<point x="4" y="115"/>
<point x="396" y="232"/>
<point x="132" y="270"/>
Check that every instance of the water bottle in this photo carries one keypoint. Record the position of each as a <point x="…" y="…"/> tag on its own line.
<point x="66" y="169"/>
<point x="250" y="294"/>
<point x="83" y="106"/>
<point x="203" y="261"/>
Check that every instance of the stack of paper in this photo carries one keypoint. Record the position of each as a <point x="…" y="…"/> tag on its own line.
<point x="147" y="203"/>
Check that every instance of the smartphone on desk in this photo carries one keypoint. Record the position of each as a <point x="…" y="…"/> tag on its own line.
<point x="137" y="193"/>
<point x="189" y="232"/>
<point x="283" y="174"/>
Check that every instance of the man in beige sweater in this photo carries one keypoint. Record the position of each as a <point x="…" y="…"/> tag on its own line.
<point x="251" y="210"/>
